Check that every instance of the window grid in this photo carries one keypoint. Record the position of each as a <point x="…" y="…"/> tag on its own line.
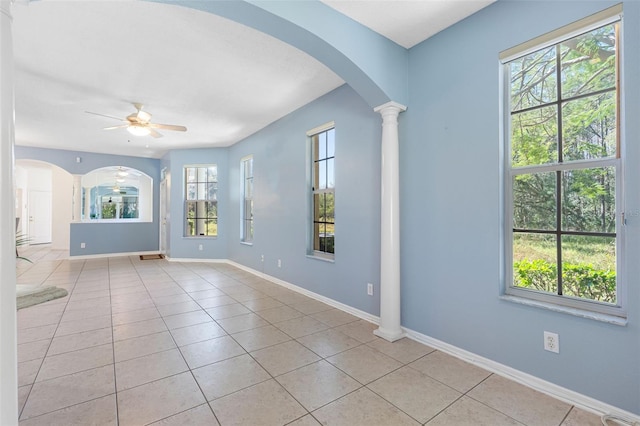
<point x="565" y="169"/>
<point x="201" y="201"/>
<point x="323" y="192"/>
<point x="246" y="209"/>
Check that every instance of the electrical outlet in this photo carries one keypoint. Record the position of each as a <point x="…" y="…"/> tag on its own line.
<point x="551" y="342"/>
<point x="279" y="263"/>
<point x="262" y="258"/>
<point x="200" y="247"/>
<point x="83" y="245"/>
<point x="370" y="289"/>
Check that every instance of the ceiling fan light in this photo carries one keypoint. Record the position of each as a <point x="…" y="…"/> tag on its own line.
<point x="137" y="130"/>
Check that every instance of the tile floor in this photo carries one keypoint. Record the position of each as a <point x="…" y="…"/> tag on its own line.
<point x="167" y="343"/>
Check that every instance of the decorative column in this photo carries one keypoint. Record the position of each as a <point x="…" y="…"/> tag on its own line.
<point x="8" y="340"/>
<point x="77" y="198"/>
<point x="87" y="203"/>
<point x="390" y="225"/>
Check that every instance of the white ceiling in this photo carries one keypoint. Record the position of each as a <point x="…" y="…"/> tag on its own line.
<point x="407" y="22"/>
<point x="220" y="79"/>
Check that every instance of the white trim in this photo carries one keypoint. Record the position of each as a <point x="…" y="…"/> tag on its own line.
<point x="121" y="220"/>
<point x="312" y="185"/>
<point x="566" y="395"/>
<point x="390" y="104"/>
<point x="201" y="237"/>
<point x="582" y="313"/>
<point x="243" y="197"/>
<point x="346" y="308"/>
<point x="571" y="397"/>
<point x="194" y="260"/>
<point x="322" y="128"/>
<point x="563" y="394"/>
<point x="318" y="255"/>
<point x="585" y="308"/>
<point x="185" y="201"/>
<point x="597" y="20"/>
<point x="101" y="255"/>
<point x="568" y="165"/>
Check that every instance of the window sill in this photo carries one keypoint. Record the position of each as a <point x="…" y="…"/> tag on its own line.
<point x="244" y="243"/>
<point x="201" y="237"/>
<point x="596" y="316"/>
<point x="324" y="259"/>
<point x="114" y="221"/>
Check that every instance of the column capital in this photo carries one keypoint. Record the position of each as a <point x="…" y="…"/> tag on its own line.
<point x="389" y="107"/>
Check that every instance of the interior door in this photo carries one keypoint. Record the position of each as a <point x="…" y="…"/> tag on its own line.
<point x="163" y="216"/>
<point x="39" y="217"/>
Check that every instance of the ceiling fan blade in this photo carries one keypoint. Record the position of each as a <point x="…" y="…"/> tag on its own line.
<point x="141" y="116"/>
<point x="122" y="126"/>
<point x="167" y="127"/>
<point x="104" y="115"/>
<point x="154" y="133"/>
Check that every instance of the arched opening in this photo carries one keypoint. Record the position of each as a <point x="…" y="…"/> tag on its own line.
<point x="117" y="193"/>
<point x="43" y="204"/>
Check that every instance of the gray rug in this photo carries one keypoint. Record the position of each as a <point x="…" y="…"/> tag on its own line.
<point x="39" y="295"/>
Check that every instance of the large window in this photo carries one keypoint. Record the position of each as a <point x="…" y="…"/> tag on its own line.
<point x="323" y="191"/>
<point x="246" y="209"/>
<point x="117" y="193"/>
<point x="201" y="200"/>
<point x="563" y="185"/>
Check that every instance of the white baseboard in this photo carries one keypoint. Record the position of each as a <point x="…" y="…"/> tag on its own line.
<point x="570" y="397"/>
<point x="103" y="255"/>
<point x="193" y="260"/>
<point x="346" y="308"/>
<point x="563" y="394"/>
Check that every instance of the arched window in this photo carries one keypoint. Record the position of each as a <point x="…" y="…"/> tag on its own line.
<point x="117" y="193"/>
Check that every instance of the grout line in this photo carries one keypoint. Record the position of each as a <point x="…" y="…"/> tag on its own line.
<point x="26" y="401"/>
<point x="180" y="274"/>
<point x="113" y="345"/>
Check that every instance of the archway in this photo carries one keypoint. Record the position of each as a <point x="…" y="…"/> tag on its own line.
<point x="43" y="202"/>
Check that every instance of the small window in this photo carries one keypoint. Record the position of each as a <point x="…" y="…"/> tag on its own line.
<point x="246" y="208"/>
<point x="323" y="192"/>
<point x="201" y="201"/>
<point x="564" y="171"/>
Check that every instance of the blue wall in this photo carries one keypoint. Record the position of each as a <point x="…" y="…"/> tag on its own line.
<point x="281" y="203"/>
<point x="451" y="207"/>
<point x="179" y="246"/>
<point x="103" y="238"/>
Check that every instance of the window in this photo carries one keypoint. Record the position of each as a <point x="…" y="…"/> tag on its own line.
<point x="564" y="171"/>
<point x="323" y="191"/>
<point x="246" y="209"/>
<point x="117" y="193"/>
<point x="201" y="202"/>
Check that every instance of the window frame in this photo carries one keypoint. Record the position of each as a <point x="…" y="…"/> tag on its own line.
<point x="113" y="182"/>
<point x="246" y="224"/>
<point x="563" y="302"/>
<point x="314" y="190"/>
<point x="213" y="200"/>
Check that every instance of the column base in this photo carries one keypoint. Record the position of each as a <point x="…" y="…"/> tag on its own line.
<point x="389" y="335"/>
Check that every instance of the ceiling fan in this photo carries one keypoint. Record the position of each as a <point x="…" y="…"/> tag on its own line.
<point x="139" y="123"/>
